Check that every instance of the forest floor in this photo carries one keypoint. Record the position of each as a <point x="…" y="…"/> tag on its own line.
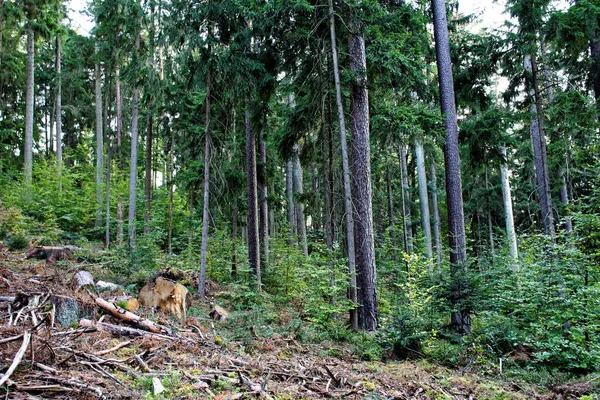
<point x="200" y="362"/>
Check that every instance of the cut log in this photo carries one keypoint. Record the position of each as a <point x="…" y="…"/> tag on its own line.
<point x="68" y="310"/>
<point x="81" y="279"/>
<point x="50" y="253"/>
<point x="218" y="313"/>
<point x="121" y="330"/>
<point x="131" y="318"/>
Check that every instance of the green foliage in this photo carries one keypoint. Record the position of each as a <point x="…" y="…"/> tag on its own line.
<point x="17" y="241"/>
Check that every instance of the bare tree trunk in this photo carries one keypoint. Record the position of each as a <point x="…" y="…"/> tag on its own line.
<point x="390" y="199"/>
<point x="489" y="218"/>
<point x="508" y="212"/>
<point x="148" y="170"/>
<point x="253" y="240"/>
<point x="289" y="193"/>
<point x="263" y="229"/>
<point x="424" y="199"/>
<point x="353" y="289"/>
<point x="325" y="138"/>
<point x="118" y="103"/>
<point x="437" y="240"/>
<point x="107" y="216"/>
<point x="28" y="149"/>
<point x="461" y="318"/>
<point x="361" y="180"/>
<point x="316" y="218"/>
<point x="58" y="110"/>
<point x="538" y="140"/>
<point x="234" y="222"/>
<point x="405" y="195"/>
<point x="120" y="217"/>
<point x="170" y="174"/>
<point x="133" y="160"/>
<point x="205" y="213"/>
<point x="99" y="144"/>
<point x="299" y="211"/>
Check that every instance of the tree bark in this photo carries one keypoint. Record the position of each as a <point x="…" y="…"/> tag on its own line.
<point x="118" y="103"/>
<point x="538" y="140"/>
<point x="28" y="149"/>
<point x="58" y="110"/>
<point x="99" y="143"/>
<point x="489" y="220"/>
<point x="361" y="180"/>
<point x="289" y="194"/>
<point x="390" y="199"/>
<point x="437" y="240"/>
<point x="253" y="239"/>
<point x="263" y="229"/>
<point x="299" y="211"/>
<point x="405" y="196"/>
<point x="352" y="291"/>
<point x="107" y="216"/>
<point x="148" y="170"/>
<point x="133" y="161"/>
<point x="205" y="213"/>
<point x="234" y="225"/>
<point x="508" y="212"/>
<point x="461" y="318"/>
<point x="170" y="174"/>
<point x="595" y="68"/>
<point x="423" y="199"/>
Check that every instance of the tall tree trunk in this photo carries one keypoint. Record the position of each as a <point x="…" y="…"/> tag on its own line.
<point x="564" y="199"/>
<point x="317" y="217"/>
<point x="99" y="144"/>
<point x="205" y="214"/>
<point x="133" y="160"/>
<point x="234" y="222"/>
<point x="348" y="211"/>
<point x="299" y="211"/>
<point x="489" y="220"/>
<point x="28" y="153"/>
<point x="538" y="140"/>
<point x="325" y="138"/>
<point x="118" y="105"/>
<point x="405" y="196"/>
<point x="423" y="198"/>
<point x="148" y="169"/>
<point x="508" y="211"/>
<point x="461" y="318"/>
<point x="595" y="68"/>
<point x="58" y="110"/>
<point x="120" y="218"/>
<point x="263" y="229"/>
<point x="390" y="199"/>
<point x="361" y="180"/>
<point x="289" y="194"/>
<point x="253" y="239"/>
<point x="170" y="174"/>
<point x="437" y="239"/>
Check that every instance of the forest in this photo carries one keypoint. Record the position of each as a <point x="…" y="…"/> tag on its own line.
<point x="365" y="198"/>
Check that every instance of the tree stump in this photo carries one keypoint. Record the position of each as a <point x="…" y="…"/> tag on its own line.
<point x="68" y="310"/>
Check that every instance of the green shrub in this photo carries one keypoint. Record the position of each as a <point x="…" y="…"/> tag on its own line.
<point x="17" y="241"/>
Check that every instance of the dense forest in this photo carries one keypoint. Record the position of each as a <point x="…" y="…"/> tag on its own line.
<point x="396" y="176"/>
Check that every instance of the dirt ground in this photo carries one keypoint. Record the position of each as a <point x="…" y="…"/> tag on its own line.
<point x="193" y="361"/>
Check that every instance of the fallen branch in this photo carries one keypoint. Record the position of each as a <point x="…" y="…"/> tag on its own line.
<point x="117" y="347"/>
<point x="120" y="330"/>
<point x="78" y="385"/>
<point x="130" y="317"/>
<point x="18" y="357"/>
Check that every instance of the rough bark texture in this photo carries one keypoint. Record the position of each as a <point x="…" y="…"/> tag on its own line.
<point x="390" y="199"/>
<point x="234" y="225"/>
<point x="28" y="149"/>
<point x="423" y="199"/>
<point x="461" y="318"/>
<point x="148" y="170"/>
<point x="405" y="196"/>
<point x="595" y="68"/>
<point x="107" y="216"/>
<point x="99" y="144"/>
<point x="118" y="103"/>
<point x="538" y="140"/>
<point x="437" y="240"/>
<point x="508" y="212"/>
<point x="205" y="213"/>
<point x="263" y="229"/>
<point x="361" y="185"/>
<point x="352" y="290"/>
<point x="253" y="244"/>
<point x="299" y="211"/>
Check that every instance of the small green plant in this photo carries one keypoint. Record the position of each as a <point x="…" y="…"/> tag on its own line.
<point x="17" y="241"/>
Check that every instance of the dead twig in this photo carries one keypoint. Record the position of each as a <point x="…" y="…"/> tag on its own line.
<point x="18" y="358"/>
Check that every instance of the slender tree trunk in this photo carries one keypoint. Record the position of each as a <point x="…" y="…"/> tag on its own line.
<point x="52" y="115"/>
<point x="253" y="239"/>
<point x="28" y="153"/>
<point x="99" y="144"/>
<point x="133" y="160"/>
<point x="424" y="199"/>
<point x="148" y="172"/>
<point x="234" y="222"/>
<point x="538" y="140"/>
<point x="205" y="213"/>
<point x="390" y="199"/>
<point x="107" y="216"/>
<point x="118" y="104"/>
<point x="361" y="180"/>
<point x="170" y="174"/>
<point x="299" y="211"/>
<point x="564" y="198"/>
<point x="461" y="318"/>
<point x="353" y="289"/>
<point x="489" y="220"/>
<point x="120" y="217"/>
<point x="405" y="195"/>
<point x="289" y="193"/>
<point x="325" y="138"/>
<point x="508" y="212"/>
<point x="263" y="229"/>
<point x="58" y="110"/>
<point x="317" y="217"/>
<point x="595" y="68"/>
<point x="437" y="240"/>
